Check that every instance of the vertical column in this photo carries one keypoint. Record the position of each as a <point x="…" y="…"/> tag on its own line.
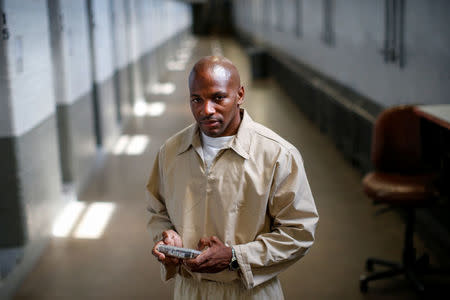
<point x="73" y="88"/>
<point x="105" y="107"/>
<point x="135" y="46"/>
<point x="119" y="29"/>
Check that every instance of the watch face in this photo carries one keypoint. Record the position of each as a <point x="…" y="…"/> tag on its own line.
<point x="235" y="264"/>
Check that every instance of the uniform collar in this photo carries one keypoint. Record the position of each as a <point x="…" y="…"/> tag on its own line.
<point x="240" y="144"/>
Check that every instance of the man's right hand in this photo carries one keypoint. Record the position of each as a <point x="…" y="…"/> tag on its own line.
<point x="170" y="237"/>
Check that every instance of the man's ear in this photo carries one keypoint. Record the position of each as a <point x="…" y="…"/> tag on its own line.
<point x="241" y="94"/>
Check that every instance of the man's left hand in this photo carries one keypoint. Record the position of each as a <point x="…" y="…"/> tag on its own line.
<point x="213" y="260"/>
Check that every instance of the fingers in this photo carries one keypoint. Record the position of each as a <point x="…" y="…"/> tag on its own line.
<point x="169" y="241"/>
<point x="189" y="262"/>
<point x="171" y="261"/>
<point x="160" y="256"/>
<point x="215" y="240"/>
<point x="199" y="265"/>
<point x="202" y="243"/>
<point x="192" y="265"/>
<point x="212" y="260"/>
<point x="203" y="257"/>
<point x="168" y="237"/>
<point x="172" y="238"/>
<point x="167" y="260"/>
<point x="195" y="264"/>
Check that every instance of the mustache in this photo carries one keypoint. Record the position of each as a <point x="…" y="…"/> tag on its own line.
<point x="209" y="119"/>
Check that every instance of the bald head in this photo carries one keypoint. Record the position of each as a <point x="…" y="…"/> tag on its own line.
<point x="217" y="67"/>
<point x="216" y="95"/>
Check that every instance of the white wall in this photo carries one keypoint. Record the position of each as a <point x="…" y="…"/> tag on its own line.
<point x="75" y="39"/>
<point x="120" y="33"/>
<point x="133" y="32"/>
<point x="102" y="40"/>
<point x="5" y="101"/>
<point x="143" y="17"/>
<point x="355" y="59"/>
<point x="26" y="72"/>
<point x="30" y="68"/>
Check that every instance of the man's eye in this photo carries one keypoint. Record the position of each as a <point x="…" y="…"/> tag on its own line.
<point x="219" y="97"/>
<point x="195" y="100"/>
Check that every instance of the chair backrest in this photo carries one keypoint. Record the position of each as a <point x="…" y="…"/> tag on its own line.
<point x="396" y="142"/>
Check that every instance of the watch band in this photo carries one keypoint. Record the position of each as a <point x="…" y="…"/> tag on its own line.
<point x="234" y="265"/>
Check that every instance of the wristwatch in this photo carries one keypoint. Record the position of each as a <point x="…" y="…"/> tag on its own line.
<point x="234" y="265"/>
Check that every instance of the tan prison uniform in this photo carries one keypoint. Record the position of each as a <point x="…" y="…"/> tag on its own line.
<point x="254" y="197"/>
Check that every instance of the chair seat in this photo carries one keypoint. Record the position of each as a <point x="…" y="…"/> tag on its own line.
<point x="399" y="189"/>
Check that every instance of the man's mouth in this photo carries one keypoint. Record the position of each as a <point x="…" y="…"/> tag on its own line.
<point x="211" y="123"/>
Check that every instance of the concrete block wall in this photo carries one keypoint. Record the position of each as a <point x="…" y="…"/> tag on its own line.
<point x="28" y="57"/>
<point x="344" y="40"/>
<point x="60" y="60"/>
<point x="27" y="90"/>
<point x="30" y="169"/>
<point x="330" y="56"/>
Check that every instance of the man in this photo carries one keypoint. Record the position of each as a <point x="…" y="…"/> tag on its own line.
<point x="233" y="187"/>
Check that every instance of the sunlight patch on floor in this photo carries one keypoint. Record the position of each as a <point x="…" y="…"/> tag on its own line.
<point x="131" y="144"/>
<point x="94" y="221"/>
<point x="67" y="219"/>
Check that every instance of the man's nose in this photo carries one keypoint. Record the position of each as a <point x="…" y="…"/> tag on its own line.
<point x="208" y="108"/>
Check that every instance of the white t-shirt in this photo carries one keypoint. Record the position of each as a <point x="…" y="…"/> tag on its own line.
<point x="211" y="146"/>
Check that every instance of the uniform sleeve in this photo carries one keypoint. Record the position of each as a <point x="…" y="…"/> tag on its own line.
<point x="159" y="218"/>
<point x="294" y="219"/>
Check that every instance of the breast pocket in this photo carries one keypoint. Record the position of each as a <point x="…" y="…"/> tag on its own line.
<point x="228" y="185"/>
<point x="185" y="190"/>
<point x="245" y="187"/>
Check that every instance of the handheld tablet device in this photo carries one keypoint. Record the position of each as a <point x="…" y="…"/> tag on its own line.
<point x="184" y="253"/>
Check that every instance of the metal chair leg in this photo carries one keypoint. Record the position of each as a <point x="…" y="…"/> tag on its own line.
<point x="370" y="262"/>
<point x="418" y="285"/>
<point x="364" y="279"/>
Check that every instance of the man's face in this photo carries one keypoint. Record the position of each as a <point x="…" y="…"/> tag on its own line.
<point x="215" y="97"/>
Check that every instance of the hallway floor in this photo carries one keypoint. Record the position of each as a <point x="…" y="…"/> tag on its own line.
<point x="119" y="264"/>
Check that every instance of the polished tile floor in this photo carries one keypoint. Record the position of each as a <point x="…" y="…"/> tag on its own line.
<point x="119" y="265"/>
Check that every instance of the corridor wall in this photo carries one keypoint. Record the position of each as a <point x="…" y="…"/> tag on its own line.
<point x="343" y="62"/>
<point x="70" y="74"/>
<point x="345" y="40"/>
<point x="30" y="167"/>
<point x="73" y="88"/>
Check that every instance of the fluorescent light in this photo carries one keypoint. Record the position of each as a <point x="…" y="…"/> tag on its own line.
<point x="95" y="220"/>
<point x="121" y="144"/>
<point x="183" y="55"/>
<point x="65" y="221"/>
<point x="140" y="108"/>
<point x="155" y="109"/>
<point x="137" y="145"/>
<point x="183" y="61"/>
<point x="176" y="66"/>
<point x="167" y="88"/>
<point x="162" y="88"/>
